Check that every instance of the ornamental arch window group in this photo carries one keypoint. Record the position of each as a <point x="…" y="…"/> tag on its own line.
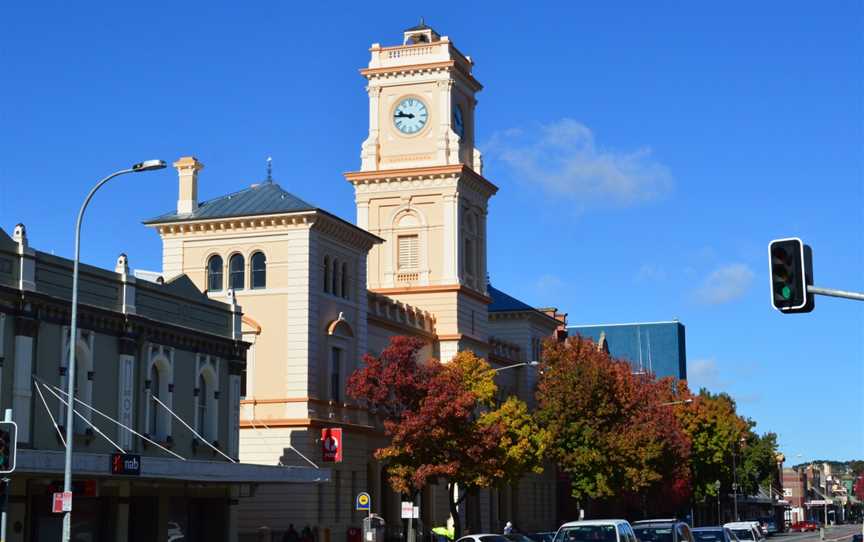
<point x="336" y="277"/>
<point x="237" y="269"/>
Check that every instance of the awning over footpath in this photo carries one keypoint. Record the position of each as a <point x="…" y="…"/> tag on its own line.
<point x="166" y="468"/>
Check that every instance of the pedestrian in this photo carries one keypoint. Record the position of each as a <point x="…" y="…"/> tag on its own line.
<point x="508" y="528"/>
<point x="291" y="535"/>
<point x="306" y="535"/>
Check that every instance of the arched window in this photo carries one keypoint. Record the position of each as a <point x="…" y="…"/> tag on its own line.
<point x="202" y="406"/>
<point x="259" y="270"/>
<point x="334" y="289"/>
<point x="326" y="274"/>
<point x="345" y="280"/>
<point x="236" y="269"/>
<point x="214" y="273"/>
<point x="153" y="428"/>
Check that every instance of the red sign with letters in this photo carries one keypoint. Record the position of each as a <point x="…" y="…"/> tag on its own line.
<point x="331" y="444"/>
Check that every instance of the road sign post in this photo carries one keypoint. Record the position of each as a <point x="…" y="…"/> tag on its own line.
<point x="6" y="482"/>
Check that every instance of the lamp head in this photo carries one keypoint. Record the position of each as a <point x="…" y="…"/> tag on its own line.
<point x="149" y="165"/>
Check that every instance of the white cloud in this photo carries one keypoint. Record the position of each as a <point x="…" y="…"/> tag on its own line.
<point x="549" y="283"/>
<point x="703" y="373"/>
<point x="725" y="284"/>
<point x="650" y="272"/>
<point x="564" y="160"/>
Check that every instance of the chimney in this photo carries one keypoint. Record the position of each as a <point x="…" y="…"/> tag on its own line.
<point x="187" y="170"/>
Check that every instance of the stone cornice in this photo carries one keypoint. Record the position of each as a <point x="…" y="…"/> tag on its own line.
<point x="421" y="68"/>
<point x="434" y="289"/>
<point x="49" y="309"/>
<point x="517" y="315"/>
<point x="400" y="316"/>
<point x="408" y="178"/>
<point x="318" y="219"/>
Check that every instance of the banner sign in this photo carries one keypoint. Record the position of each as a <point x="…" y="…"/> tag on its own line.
<point x="331" y="444"/>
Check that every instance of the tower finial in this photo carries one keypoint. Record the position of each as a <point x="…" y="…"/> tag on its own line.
<point x="269" y="169"/>
<point x="422" y="22"/>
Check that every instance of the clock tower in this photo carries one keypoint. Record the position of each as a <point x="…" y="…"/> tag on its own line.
<point x="420" y="186"/>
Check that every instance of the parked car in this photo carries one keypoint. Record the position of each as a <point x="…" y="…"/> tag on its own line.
<point x="487" y="537"/>
<point x="713" y="534"/>
<point x="803" y="526"/>
<point x="596" y="530"/>
<point x="745" y="531"/>
<point x="517" y="537"/>
<point x="546" y="536"/>
<point x="662" y="530"/>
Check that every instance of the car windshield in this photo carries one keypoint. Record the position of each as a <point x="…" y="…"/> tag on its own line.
<point x="515" y="537"/>
<point x="743" y="534"/>
<point x="708" y="536"/>
<point x="490" y="538"/>
<point x="587" y="533"/>
<point x="647" y="533"/>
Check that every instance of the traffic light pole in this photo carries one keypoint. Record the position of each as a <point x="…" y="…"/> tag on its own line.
<point x="835" y="293"/>
<point x="6" y="483"/>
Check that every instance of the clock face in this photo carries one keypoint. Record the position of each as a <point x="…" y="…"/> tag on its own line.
<point x="410" y="115"/>
<point x="458" y="122"/>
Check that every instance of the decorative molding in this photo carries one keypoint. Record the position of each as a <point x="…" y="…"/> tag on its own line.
<point x="411" y="178"/>
<point x="434" y="289"/>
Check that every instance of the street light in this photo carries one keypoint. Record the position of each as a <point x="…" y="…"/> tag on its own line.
<point x="147" y="165"/>
<point x="717" y="486"/>
<point x="735" y="479"/>
<point x="520" y="364"/>
<point x="682" y="402"/>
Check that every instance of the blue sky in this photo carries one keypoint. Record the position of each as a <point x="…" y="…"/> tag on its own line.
<point x="646" y="154"/>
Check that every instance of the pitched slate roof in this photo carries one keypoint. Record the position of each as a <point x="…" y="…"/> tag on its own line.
<point x="502" y="302"/>
<point x="260" y="199"/>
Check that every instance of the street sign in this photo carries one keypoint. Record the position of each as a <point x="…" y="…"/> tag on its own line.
<point x="819" y="503"/>
<point x="331" y="444"/>
<point x="409" y="510"/>
<point x="62" y="502"/>
<point x="126" y="464"/>
<point x="363" y="502"/>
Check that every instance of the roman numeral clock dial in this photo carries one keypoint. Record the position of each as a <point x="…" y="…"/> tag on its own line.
<point x="410" y="115"/>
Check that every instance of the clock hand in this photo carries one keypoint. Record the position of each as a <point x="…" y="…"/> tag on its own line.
<point x="401" y="114"/>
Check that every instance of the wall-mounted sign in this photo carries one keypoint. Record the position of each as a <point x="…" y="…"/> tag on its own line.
<point x="331" y="444"/>
<point x="126" y="464"/>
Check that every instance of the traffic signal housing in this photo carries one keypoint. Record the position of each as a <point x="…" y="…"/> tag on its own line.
<point x="790" y="266"/>
<point x="8" y="446"/>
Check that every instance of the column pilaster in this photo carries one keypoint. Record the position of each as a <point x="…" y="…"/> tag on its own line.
<point x="25" y="332"/>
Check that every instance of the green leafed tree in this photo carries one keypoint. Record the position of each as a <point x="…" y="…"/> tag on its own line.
<point x="609" y="430"/>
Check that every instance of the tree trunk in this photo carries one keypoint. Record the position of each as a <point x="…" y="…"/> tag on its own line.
<point x="453" y="499"/>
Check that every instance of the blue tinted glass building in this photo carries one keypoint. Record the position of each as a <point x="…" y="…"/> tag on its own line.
<point x="655" y="347"/>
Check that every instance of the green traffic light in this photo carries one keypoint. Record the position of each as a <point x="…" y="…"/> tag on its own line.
<point x="786" y="292"/>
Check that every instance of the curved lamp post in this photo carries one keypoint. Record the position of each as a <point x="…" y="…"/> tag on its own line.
<point x="520" y="364"/>
<point x="149" y="165"/>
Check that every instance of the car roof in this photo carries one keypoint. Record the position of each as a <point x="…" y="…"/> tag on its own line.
<point x="657" y="520"/>
<point x="594" y="522"/>
<point x="708" y="529"/>
<point x="738" y="525"/>
<point x="656" y="523"/>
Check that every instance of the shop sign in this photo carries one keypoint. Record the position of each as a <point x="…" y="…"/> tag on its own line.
<point x="331" y="444"/>
<point x="126" y="464"/>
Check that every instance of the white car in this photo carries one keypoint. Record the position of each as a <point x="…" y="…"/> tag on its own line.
<point x="745" y="531"/>
<point x="596" y="530"/>
<point x="486" y="537"/>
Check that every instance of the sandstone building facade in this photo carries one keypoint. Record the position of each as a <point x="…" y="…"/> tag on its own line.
<point x="319" y="292"/>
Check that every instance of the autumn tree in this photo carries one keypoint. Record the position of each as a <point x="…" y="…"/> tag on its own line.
<point x="715" y="430"/>
<point x="608" y="430"/>
<point x="444" y="423"/>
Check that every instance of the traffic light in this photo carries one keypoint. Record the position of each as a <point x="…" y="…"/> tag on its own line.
<point x="8" y="446"/>
<point x="790" y="265"/>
